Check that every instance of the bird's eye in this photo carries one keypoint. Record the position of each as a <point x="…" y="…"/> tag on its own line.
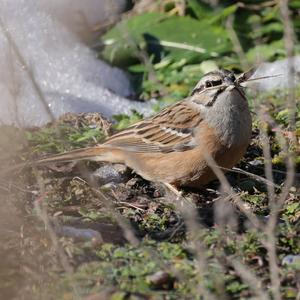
<point x="213" y="83"/>
<point x="208" y="84"/>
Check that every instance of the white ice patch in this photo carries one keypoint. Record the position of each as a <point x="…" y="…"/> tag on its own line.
<point x="72" y="79"/>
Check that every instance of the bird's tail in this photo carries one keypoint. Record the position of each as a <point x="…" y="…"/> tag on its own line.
<point x="92" y="153"/>
<point x="100" y="153"/>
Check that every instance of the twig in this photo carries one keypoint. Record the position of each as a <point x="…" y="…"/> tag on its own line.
<point x="15" y="88"/>
<point x="190" y="217"/>
<point x="130" y="205"/>
<point x="270" y="236"/>
<point x="232" y="195"/>
<point x="122" y="222"/>
<point x="41" y="210"/>
<point x="7" y="186"/>
<point x="254" y="176"/>
<point x="257" y="6"/>
<point x="236" y="43"/>
<point x="278" y="202"/>
<point x="267" y="160"/>
<point x="250" y="278"/>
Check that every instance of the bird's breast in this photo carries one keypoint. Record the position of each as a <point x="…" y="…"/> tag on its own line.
<point x="231" y="119"/>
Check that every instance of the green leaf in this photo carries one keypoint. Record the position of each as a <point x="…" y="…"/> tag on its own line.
<point x="208" y="66"/>
<point x="161" y="35"/>
<point x="90" y="133"/>
<point x="266" y="52"/>
<point x="201" y="10"/>
<point x="294" y="4"/>
<point x="224" y="13"/>
<point x="123" y="121"/>
<point x="139" y="68"/>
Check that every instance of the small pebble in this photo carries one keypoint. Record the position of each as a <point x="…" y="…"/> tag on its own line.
<point x="291" y="260"/>
<point x="111" y="173"/>
<point x="161" y="280"/>
<point x="80" y="234"/>
<point x="255" y="162"/>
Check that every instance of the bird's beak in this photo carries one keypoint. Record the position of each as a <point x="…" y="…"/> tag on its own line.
<point x="230" y="84"/>
<point x="230" y="87"/>
<point x="229" y="81"/>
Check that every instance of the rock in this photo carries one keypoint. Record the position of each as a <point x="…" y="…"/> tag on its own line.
<point x="111" y="173"/>
<point x="291" y="260"/>
<point x="79" y="234"/>
<point x="161" y="280"/>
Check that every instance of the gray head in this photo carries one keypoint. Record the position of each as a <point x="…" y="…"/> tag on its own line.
<point x="222" y="103"/>
<point x="214" y="79"/>
<point x="214" y="84"/>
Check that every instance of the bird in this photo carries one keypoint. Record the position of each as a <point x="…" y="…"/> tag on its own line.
<point x="172" y="146"/>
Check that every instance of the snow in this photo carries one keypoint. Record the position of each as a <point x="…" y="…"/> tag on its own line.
<point x="70" y="76"/>
<point x="279" y="67"/>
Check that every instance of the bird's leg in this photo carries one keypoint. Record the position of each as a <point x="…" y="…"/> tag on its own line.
<point x="183" y="200"/>
<point x="173" y="189"/>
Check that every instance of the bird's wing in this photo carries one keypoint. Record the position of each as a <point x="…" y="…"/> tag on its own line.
<point x="169" y="131"/>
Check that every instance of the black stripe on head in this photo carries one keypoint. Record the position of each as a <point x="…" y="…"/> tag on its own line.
<point x="197" y="90"/>
<point x="213" y="78"/>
